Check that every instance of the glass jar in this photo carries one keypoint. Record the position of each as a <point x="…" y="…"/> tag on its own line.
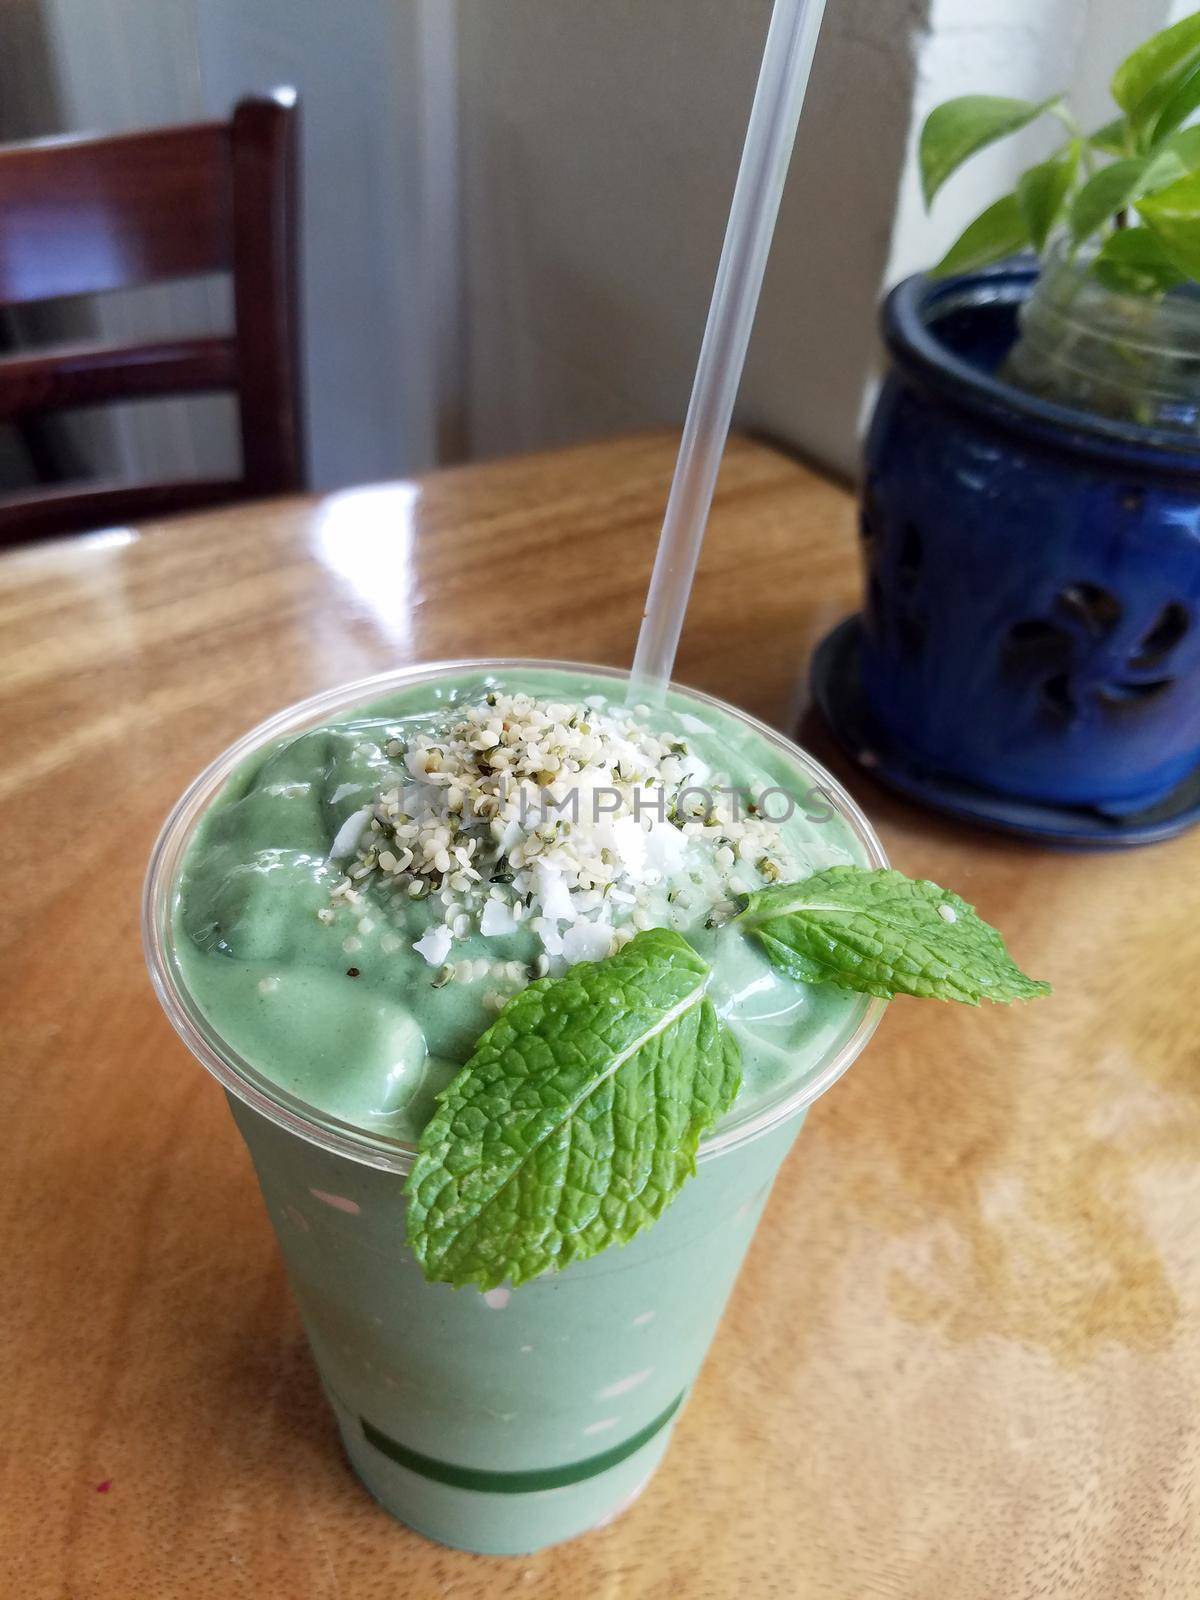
<point x="1135" y="358"/>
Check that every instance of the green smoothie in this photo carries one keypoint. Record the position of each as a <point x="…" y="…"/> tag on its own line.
<point x="350" y="910"/>
<point x="352" y="1006"/>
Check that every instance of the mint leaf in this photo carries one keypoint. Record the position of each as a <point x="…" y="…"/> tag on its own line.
<point x="881" y="933"/>
<point x="577" y="1119"/>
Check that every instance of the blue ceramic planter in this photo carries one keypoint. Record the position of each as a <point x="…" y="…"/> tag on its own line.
<point x="1032" y="621"/>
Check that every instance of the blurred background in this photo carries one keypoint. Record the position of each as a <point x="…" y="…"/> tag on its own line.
<point x="513" y="212"/>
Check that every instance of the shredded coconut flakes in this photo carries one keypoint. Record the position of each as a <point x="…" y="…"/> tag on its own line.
<point x="495" y="815"/>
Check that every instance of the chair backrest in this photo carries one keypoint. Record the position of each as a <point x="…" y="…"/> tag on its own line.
<point x="81" y="216"/>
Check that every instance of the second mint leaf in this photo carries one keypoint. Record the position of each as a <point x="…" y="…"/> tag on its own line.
<point x="879" y="932"/>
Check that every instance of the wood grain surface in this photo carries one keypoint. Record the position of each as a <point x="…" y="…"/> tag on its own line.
<point x="963" y="1358"/>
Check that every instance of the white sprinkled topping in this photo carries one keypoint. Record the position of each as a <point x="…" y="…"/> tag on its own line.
<point x="434" y="945"/>
<point x="497" y="919"/>
<point x="577" y="822"/>
<point x="348" y="835"/>
<point x="947" y="913"/>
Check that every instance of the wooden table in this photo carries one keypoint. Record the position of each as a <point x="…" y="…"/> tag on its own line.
<point x="963" y="1359"/>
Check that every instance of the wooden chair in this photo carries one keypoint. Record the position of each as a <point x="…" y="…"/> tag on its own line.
<point x="81" y="216"/>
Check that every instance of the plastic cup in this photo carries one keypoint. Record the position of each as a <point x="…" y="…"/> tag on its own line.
<point x="506" y="1421"/>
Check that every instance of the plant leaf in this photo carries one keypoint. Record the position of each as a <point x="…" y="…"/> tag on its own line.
<point x="1042" y="192"/>
<point x="1114" y="187"/>
<point x="1183" y="100"/>
<point x="1146" y="79"/>
<point x="999" y="231"/>
<point x="1112" y="138"/>
<point x="1185" y="143"/>
<point x="576" y="1120"/>
<point x="1174" y="216"/>
<point x="955" y="130"/>
<point x="878" y="932"/>
<point x="1133" y="262"/>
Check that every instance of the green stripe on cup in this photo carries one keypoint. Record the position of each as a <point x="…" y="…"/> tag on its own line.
<point x="527" y="1481"/>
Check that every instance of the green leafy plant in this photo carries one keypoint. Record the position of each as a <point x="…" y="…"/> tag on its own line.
<point x="579" y="1115"/>
<point x="1130" y="190"/>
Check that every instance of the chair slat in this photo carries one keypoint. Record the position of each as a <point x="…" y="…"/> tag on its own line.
<point x="82" y="216"/>
<point x="83" y="375"/>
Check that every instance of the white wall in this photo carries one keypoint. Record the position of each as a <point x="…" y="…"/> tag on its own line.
<point x="599" y="148"/>
<point x="600" y="144"/>
<point x="369" y="370"/>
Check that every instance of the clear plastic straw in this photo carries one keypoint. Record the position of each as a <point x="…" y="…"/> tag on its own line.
<point x="782" y="81"/>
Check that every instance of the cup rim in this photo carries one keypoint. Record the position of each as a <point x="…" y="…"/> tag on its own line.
<point x="239" y="1077"/>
